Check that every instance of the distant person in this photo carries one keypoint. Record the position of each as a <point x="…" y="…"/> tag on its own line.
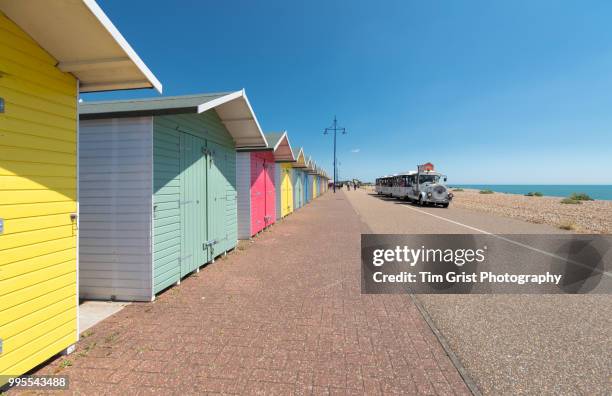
<point x="354" y="186"/>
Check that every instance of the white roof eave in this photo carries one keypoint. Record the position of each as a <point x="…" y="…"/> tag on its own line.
<point x="129" y="51"/>
<point x="84" y="42"/>
<point x="238" y="128"/>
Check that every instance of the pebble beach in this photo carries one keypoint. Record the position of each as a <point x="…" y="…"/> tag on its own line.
<point x="590" y="217"/>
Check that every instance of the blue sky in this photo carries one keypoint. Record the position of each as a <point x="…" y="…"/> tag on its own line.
<point x="490" y="92"/>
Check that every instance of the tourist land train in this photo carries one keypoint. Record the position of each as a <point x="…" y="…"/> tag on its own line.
<point x="423" y="186"/>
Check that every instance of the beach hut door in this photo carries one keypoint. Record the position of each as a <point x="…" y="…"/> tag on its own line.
<point x="270" y="193"/>
<point x="193" y="201"/>
<point x="300" y="179"/>
<point x="217" y="200"/>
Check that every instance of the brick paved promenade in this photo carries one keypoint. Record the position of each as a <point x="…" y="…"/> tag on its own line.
<point x="282" y="316"/>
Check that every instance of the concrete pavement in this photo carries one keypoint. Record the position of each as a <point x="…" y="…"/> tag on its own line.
<point x="92" y="312"/>
<point x="510" y="344"/>
<point x="283" y="315"/>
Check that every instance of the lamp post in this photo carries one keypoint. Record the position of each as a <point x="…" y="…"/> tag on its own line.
<point x="335" y="129"/>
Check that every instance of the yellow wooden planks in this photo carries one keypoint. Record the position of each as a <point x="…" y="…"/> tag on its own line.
<point x="38" y="274"/>
<point x="17" y="211"/>
<point x="39" y="183"/>
<point x="37" y="337"/>
<point x="34" y="223"/>
<point x="29" y="279"/>
<point x="25" y="299"/>
<point x="9" y="197"/>
<point x="40" y="248"/>
<point x="31" y="169"/>
<point x="49" y="344"/>
<point x="40" y="309"/>
<point x="32" y="237"/>
<point x="35" y="264"/>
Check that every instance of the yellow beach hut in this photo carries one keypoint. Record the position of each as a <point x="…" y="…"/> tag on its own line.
<point x="283" y="173"/>
<point x="313" y="175"/>
<point x="49" y="52"/>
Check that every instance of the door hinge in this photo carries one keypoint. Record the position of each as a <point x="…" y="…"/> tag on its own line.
<point x="1" y="348"/>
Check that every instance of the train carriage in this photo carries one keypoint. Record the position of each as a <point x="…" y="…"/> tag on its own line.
<point x="384" y="185"/>
<point x="425" y="186"/>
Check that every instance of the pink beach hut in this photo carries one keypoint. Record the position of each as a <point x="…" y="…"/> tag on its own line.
<point x="256" y="193"/>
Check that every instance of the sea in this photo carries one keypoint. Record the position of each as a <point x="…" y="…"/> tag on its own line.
<point x="603" y="192"/>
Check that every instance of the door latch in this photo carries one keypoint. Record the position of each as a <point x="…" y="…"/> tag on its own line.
<point x="208" y="243"/>
<point x="210" y="154"/>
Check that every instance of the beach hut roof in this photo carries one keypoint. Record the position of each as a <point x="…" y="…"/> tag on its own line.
<point x="312" y="166"/>
<point x="279" y="143"/>
<point x="299" y="159"/>
<point x="274" y="139"/>
<point x="84" y="42"/>
<point x="309" y="163"/>
<point x="233" y="109"/>
<point x="296" y="152"/>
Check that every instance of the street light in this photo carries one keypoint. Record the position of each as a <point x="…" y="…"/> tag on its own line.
<point x="336" y="129"/>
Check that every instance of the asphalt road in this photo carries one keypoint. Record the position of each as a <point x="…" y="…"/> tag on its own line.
<point x="509" y="344"/>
